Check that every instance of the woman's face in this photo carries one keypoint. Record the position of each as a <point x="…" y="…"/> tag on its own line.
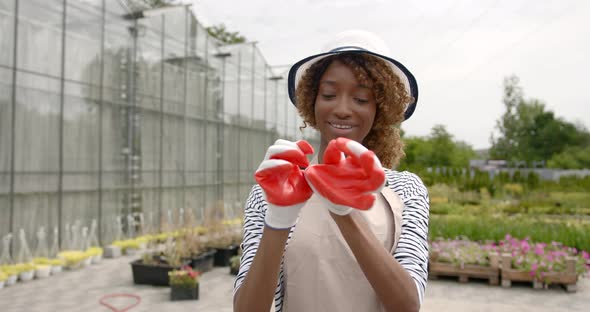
<point x="343" y="107"/>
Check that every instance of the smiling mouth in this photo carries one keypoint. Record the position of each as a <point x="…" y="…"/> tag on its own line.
<point x="340" y="126"/>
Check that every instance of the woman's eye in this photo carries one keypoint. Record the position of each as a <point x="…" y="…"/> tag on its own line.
<point x="328" y="96"/>
<point x="362" y="101"/>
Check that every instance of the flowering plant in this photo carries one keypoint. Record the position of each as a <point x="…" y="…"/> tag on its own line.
<point x="461" y="252"/>
<point x="94" y="251"/>
<point x="186" y="277"/>
<point x="72" y="257"/>
<point x="539" y="259"/>
<point x="9" y="270"/>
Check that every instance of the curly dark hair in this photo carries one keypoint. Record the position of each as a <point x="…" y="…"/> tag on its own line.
<point x="390" y="94"/>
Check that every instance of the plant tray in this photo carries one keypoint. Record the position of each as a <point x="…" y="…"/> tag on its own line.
<point x="146" y="274"/>
<point x="182" y="293"/>
<point x="491" y="272"/>
<point x="568" y="279"/>
<point x="203" y="262"/>
<point x="223" y="255"/>
<point x="464" y="274"/>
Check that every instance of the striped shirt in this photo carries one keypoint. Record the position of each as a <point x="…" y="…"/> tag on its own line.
<point x="412" y="247"/>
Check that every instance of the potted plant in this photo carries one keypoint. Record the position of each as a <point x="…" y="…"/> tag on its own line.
<point x="3" y="278"/>
<point x="223" y="239"/>
<point x="131" y="247"/>
<point x="56" y="265"/>
<point x="153" y="267"/>
<point x="541" y="263"/>
<point x="43" y="267"/>
<point x="234" y="265"/>
<point x="184" y="284"/>
<point x="464" y="259"/>
<point x="11" y="274"/>
<point x="73" y="259"/>
<point x="189" y="246"/>
<point x="26" y="271"/>
<point x="95" y="254"/>
<point x="42" y="270"/>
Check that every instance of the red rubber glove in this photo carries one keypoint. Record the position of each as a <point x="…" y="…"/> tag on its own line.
<point x="281" y="178"/>
<point x="347" y="182"/>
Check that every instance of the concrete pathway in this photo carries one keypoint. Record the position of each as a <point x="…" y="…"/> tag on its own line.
<point x="76" y="291"/>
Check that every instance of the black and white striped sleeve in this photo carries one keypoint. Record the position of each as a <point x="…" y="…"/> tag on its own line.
<point x="412" y="247"/>
<point x="253" y="227"/>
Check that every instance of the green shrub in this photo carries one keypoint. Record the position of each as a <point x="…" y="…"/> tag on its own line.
<point x="486" y="227"/>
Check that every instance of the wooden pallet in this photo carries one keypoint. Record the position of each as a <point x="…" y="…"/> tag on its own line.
<point x="491" y="273"/>
<point x="567" y="279"/>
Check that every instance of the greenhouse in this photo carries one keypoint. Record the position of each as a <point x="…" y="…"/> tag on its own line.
<point x="131" y="117"/>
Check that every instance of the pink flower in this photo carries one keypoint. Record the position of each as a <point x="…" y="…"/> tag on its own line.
<point x="507" y="237"/>
<point x="585" y="255"/>
<point x="524" y="245"/>
<point x="539" y="251"/>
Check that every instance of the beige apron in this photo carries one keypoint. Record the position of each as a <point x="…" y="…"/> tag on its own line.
<point x="321" y="273"/>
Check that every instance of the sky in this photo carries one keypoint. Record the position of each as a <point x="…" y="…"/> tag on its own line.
<point x="458" y="50"/>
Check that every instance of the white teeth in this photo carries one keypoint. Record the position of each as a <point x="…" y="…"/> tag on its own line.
<point x="341" y="126"/>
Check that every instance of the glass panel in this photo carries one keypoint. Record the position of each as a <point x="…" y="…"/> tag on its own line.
<point x="149" y="67"/>
<point x="80" y="152"/>
<point x="40" y="36"/>
<point x="7" y="34"/>
<point x="5" y="142"/>
<point x="116" y="59"/>
<point x="260" y="86"/>
<point x="246" y="84"/>
<point x="83" y="29"/>
<point x="36" y="162"/>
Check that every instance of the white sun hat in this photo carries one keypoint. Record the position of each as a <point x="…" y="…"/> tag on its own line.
<point x="357" y="41"/>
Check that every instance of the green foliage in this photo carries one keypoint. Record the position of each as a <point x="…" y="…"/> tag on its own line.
<point x="572" y="157"/>
<point x="234" y="262"/>
<point x="186" y="277"/>
<point x="437" y="150"/>
<point x="461" y="252"/>
<point x="221" y="33"/>
<point x="527" y="132"/>
<point x="489" y="227"/>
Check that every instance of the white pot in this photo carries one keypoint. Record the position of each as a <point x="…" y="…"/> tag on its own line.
<point x="26" y="276"/>
<point x="11" y="280"/>
<point x="112" y="252"/>
<point x="131" y="251"/>
<point x="86" y="262"/>
<point x="1" y="284"/>
<point x="74" y="266"/>
<point x="43" y="273"/>
<point x="96" y="259"/>
<point x="56" y="269"/>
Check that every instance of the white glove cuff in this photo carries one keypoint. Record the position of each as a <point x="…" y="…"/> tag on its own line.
<point x="282" y="217"/>
<point x="339" y="209"/>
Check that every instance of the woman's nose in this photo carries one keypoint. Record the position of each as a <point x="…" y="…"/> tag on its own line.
<point x="343" y="107"/>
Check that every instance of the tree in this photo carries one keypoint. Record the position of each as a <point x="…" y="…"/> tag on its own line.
<point x="573" y="157"/>
<point x="530" y="133"/>
<point x="503" y="146"/>
<point x="437" y="150"/>
<point x="224" y="35"/>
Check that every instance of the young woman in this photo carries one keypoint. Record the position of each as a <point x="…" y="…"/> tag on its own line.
<point x="340" y="233"/>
